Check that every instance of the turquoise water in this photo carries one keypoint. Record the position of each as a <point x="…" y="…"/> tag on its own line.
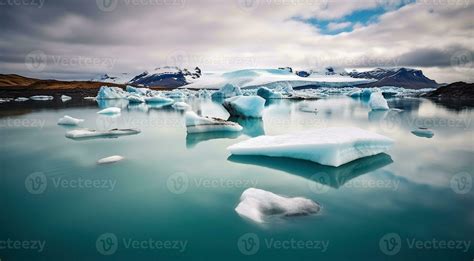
<point x="173" y="197"/>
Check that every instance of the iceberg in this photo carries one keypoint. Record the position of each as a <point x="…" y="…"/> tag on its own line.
<point x="65" y="98"/>
<point x="378" y="102"/>
<point x="106" y="93"/>
<point x="68" y="120"/>
<point x="21" y="99"/>
<point x="88" y="133"/>
<point x="266" y="93"/>
<point x="423" y="132"/>
<point x="41" y="98"/>
<point x="135" y="98"/>
<point x="229" y="90"/>
<point x="245" y="106"/>
<point x="111" y="159"/>
<point x="110" y="111"/>
<point x="139" y="91"/>
<point x="198" y="124"/>
<point x="181" y="106"/>
<point x="328" y="146"/>
<point x="159" y="99"/>
<point x="259" y="205"/>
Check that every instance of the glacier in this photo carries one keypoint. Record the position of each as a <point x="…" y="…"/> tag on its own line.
<point x="68" y="120"/>
<point x="245" y="106"/>
<point x="260" y="205"/>
<point x="198" y="124"/>
<point x="327" y="146"/>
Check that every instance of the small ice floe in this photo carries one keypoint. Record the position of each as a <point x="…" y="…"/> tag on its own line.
<point x="88" y="133"/>
<point x="181" y="106"/>
<point x="378" y="102"/>
<point x="110" y="111"/>
<point x="227" y="91"/>
<point x="329" y="146"/>
<point x="159" y="99"/>
<point x="90" y="98"/>
<point x="68" y="120"/>
<point x="65" y="98"/>
<point x="423" y="132"/>
<point x="21" y="99"/>
<point x="198" y="124"/>
<point x="135" y="98"/>
<point x="41" y="98"/>
<point x="245" y="106"/>
<point x="111" y="159"/>
<point x="267" y="94"/>
<point x="139" y="91"/>
<point x="259" y="205"/>
<point x="111" y="93"/>
<point x="3" y="100"/>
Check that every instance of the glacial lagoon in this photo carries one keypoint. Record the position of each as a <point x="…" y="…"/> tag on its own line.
<point x="173" y="196"/>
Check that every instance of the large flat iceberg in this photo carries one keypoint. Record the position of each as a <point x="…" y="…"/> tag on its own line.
<point x="329" y="146"/>
<point x="198" y="124"/>
<point x="258" y="205"/>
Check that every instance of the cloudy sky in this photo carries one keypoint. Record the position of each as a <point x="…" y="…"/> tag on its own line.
<point x="71" y="39"/>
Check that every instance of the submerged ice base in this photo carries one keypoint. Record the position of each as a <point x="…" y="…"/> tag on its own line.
<point x="329" y="146"/>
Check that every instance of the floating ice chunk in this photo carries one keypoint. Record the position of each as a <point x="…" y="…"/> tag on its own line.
<point x="139" y="91"/>
<point x="65" y="98"/>
<point x="423" y="132"/>
<point x="88" y="133"/>
<point x="198" y="124"/>
<point x="41" y="98"/>
<point x="227" y="91"/>
<point x="159" y="99"/>
<point x="21" y="99"/>
<point x="2" y="100"/>
<point x="181" y="106"/>
<point x="111" y="159"/>
<point x="245" y="106"/>
<point x="90" y="98"/>
<point x="328" y="146"/>
<point x="68" y="120"/>
<point x="257" y="205"/>
<point x="110" y="111"/>
<point x="266" y="93"/>
<point x="378" y="102"/>
<point x="111" y="93"/>
<point x="135" y="98"/>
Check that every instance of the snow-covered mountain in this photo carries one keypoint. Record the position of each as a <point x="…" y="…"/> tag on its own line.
<point x="398" y="77"/>
<point x="165" y="77"/>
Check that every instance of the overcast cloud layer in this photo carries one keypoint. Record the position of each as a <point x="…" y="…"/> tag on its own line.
<point x="80" y="39"/>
